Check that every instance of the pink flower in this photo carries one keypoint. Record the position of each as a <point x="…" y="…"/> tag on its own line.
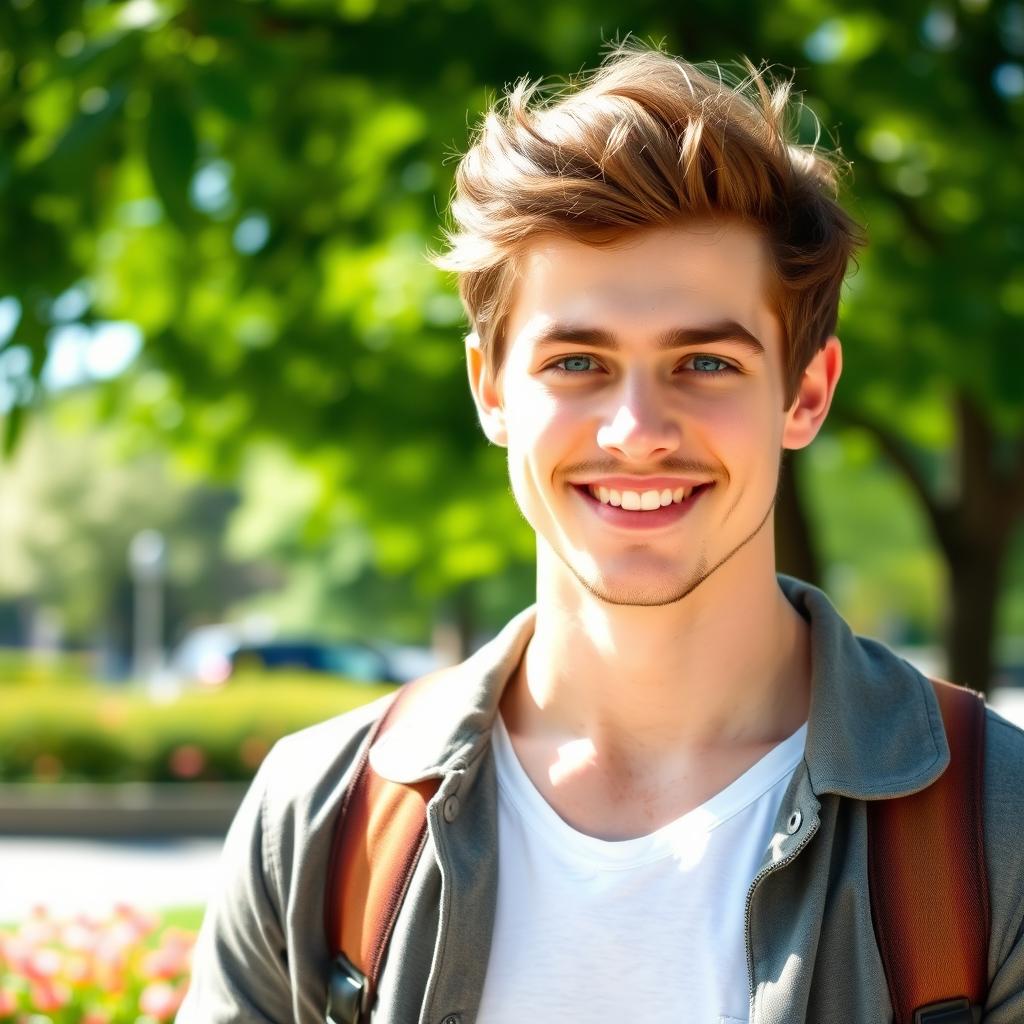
<point x="39" y="927"/>
<point x="179" y="938"/>
<point x="164" y="963"/>
<point x="8" y="1001"/>
<point x="79" y="935"/>
<point x="160" y="1000"/>
<point x="44" y="964"/>
<point x="95" y="1017"/>
<point x="47" y="996"/>
<point x="17" y="953"/>
<point x="171" y="958"/>
<point x="141" y="922"/>
<point x="187" y="761"/>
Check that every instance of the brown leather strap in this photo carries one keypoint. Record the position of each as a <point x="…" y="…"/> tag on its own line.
<point x="926" y="867"/>
<point x="380" y="832"/>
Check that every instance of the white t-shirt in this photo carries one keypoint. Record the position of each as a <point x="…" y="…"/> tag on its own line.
<point x="645" y="931"/>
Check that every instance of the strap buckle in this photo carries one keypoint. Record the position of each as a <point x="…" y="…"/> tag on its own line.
<point x="949" y="1011"/>
<point x="348" y="993"/>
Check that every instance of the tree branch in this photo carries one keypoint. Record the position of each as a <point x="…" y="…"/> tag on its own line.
<point x="941" y="517"/>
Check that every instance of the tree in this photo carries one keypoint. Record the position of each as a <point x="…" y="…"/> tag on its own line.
<point x="71" y="499"/>
<point x="255" y="184"/>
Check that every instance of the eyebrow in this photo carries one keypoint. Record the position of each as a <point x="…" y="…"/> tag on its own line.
<point x="676" y="337"/>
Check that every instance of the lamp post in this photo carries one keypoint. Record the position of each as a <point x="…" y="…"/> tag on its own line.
<point x="146" y="559"/>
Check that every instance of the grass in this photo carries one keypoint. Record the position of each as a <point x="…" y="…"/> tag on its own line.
<point x="189" y="918"/>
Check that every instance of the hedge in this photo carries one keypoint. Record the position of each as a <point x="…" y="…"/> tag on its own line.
<point x="100" y="735"/>
<point x="19" y="667"/>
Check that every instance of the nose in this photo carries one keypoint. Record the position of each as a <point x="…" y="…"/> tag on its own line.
<point x="638" y="427"/>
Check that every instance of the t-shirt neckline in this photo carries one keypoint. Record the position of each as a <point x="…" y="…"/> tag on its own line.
<point x="538" y="815"/>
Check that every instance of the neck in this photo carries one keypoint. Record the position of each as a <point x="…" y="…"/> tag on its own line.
<point x="728" y="666"/>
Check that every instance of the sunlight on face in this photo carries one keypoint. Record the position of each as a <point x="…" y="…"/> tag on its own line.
<point x="651" y="365"/>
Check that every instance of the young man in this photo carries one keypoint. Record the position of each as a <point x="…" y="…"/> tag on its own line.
<point x="654" y="785"/>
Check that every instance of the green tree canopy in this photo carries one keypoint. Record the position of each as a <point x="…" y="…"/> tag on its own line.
<point x="255" y="184"/>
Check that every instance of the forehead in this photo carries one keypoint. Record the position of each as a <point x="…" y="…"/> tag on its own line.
<point x="655" y="278"/>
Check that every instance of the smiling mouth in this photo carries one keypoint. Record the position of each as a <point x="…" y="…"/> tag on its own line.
<point x="641" y="501"/>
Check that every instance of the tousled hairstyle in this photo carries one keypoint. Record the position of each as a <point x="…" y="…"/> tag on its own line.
<point x="650" y="140"/>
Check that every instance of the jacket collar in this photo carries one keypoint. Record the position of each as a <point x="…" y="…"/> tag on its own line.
<point x="874" y="729"/>
<point x="448" y="715"/>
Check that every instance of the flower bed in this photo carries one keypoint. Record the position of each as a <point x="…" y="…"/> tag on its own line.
<point x="127" y="968"/>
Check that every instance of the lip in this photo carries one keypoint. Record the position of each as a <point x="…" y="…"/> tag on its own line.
<point x="641" y="484"/>
<point x="639" y="520"/>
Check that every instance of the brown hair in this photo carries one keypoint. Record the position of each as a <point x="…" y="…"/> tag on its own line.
<point x="644" y="141"/>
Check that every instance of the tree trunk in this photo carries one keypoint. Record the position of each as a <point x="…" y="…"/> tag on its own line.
<point x="970" y="631"/>
<point x="795" y="550"/>
<point x="455" y="629"/>
<point x="973" y="527"/>
<point x="976" y="540"/>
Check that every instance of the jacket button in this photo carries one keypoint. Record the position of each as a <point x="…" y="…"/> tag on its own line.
<point x="452" y="1018"/>
<point x="793" y="825"/>
<point x="450" y="810"/>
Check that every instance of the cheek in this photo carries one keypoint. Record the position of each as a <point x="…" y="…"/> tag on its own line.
<point x="743" y="431"/>
<point x="538" y="425"/>
<point x="730" y="423"/>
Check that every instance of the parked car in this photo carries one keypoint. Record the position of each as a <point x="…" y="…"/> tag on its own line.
<point x="355" y="660"/>
<point x="211" y="655"/>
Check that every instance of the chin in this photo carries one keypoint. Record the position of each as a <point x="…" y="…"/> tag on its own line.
<point x="641" y="589"/>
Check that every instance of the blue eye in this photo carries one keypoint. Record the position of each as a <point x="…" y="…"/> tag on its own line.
<point x="574" y="364"/>
<point x="710" y="365"/>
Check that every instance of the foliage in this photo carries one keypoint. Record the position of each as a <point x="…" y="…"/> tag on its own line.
<point x="72" y="497"/>
<point x="127" y="968"/>
<point x="254" y="186"/>
<point x="108" y="736"/>
<point x="57" y="670"/>
<point x="881" y="571"/>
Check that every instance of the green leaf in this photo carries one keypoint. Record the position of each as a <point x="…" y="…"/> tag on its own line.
<point x="171" y="151"/>
<point x="225" y="92"/>
<point x="85" y="132"/>
<point x="13" y="423"/>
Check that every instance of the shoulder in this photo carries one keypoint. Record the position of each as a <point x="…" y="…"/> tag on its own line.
<point x="1004" y="817"/>
<point x="307" y="770"/>
<point x="1004" y="777"/>
<point x="292" y="803"/>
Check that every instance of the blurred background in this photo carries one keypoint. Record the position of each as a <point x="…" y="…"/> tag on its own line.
<point x="242" y="487"/>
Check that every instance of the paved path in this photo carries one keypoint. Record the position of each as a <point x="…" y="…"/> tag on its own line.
<point x="87" y="875"/>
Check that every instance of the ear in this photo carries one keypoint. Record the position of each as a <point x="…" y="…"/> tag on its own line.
<point x="814" y="397"/>
<point x="486" y="393"/>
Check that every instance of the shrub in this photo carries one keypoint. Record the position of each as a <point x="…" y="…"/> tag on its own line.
<point x="96" y="735"/>
<point x="20" y="667"/>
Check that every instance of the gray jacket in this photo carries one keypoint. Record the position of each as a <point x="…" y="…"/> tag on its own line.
<point x="874" y="731"/>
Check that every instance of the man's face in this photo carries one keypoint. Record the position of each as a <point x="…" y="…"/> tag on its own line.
<point x="641" y="403"/>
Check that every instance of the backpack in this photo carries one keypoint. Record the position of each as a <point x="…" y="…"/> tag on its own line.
<point x="926" y="873"/>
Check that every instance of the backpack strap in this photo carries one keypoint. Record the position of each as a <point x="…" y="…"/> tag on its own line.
<point x="928" y="881"/>
<point x="379" y="835"/>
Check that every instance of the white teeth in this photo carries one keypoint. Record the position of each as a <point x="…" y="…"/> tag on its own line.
<point x="640" y="500"/>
